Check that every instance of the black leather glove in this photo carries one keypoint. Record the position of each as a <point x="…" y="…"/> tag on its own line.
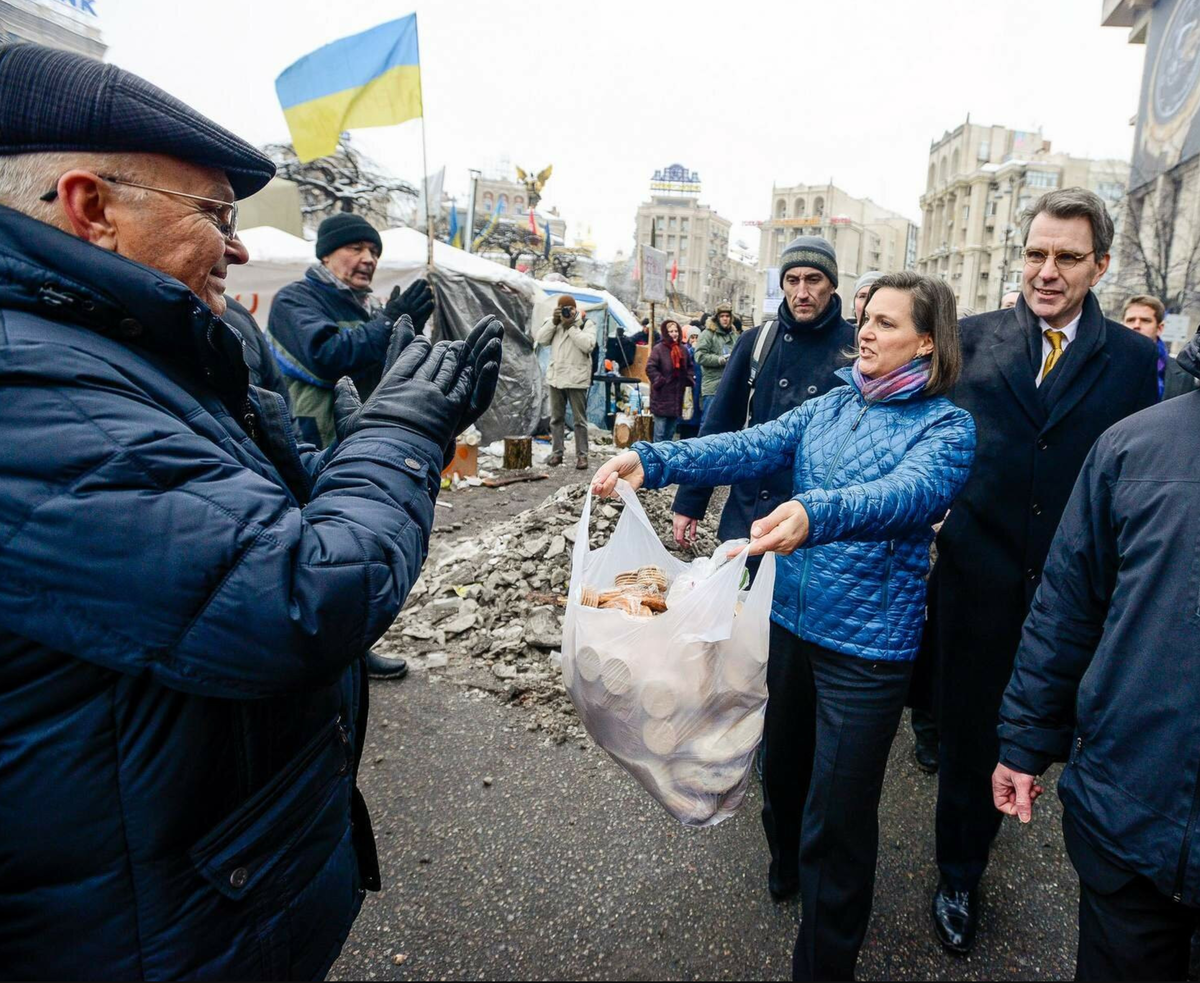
<point x="416" y="302"/>
<point x="424" y="392"/>
<point x="484" y="349"/>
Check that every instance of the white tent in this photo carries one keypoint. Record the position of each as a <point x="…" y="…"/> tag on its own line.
<point x="278" y="258"/>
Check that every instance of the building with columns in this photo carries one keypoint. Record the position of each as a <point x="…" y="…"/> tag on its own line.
<point x="865" y="236"/>
<point x="980" y="181"/>
<point x="512" y="198"/>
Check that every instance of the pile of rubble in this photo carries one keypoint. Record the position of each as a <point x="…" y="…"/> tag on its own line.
<point x="487" y="610"/>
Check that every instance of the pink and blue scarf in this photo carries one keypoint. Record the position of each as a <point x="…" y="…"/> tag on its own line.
<point x="903" y="381"/>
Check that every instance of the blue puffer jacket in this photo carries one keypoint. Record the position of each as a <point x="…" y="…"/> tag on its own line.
<point x="873" y="479"/>
<point x="183" y="610"/>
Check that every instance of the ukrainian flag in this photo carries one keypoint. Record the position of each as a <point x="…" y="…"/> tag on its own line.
<point x="369" y="79"/>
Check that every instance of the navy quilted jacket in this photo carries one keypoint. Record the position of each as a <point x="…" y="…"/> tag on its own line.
<point x="185" y="596"/>
<point x="873" y="479"/>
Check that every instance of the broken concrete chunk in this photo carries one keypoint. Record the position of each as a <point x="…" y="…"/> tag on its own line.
<point x="543" y="630"/>
<point x="456" y="626"/>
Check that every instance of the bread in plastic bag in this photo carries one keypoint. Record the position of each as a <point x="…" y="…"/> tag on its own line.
<point x="676" y="699"/>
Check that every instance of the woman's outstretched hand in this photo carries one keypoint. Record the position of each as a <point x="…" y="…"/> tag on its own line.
<point x="783" y="531"/>
<point x="627" y="466"/>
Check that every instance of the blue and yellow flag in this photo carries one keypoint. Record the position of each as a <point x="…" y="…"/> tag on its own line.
<point x="453" y="237"/>
<point x="369" y="79"/>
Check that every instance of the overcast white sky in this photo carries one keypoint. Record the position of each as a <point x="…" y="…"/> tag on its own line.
<point x="746" y="93"/>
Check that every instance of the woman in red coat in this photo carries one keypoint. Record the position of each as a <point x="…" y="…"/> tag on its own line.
<point x="670" y="370"/>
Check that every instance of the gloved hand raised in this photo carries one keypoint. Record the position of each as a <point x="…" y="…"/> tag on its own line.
<point x="484" y="348"/>
<point x="416" y="302"/>
<point x="424" y="392"/>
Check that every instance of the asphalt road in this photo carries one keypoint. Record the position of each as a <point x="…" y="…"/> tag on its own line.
<point x="505" y="857"/>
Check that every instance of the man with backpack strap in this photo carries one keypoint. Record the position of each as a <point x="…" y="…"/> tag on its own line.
<point x="773" y="368"/>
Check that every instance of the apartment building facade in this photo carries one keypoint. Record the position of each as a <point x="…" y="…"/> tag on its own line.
<point x="865" y="236"/>
<point x="980" y="181"/>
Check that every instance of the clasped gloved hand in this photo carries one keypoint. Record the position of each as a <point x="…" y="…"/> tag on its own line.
<point x="425" y="392"/>
<point x="416" y="302"/>
<point x="484" y="348"/>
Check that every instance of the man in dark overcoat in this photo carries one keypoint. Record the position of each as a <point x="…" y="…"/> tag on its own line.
<point x="1043" y="380"/>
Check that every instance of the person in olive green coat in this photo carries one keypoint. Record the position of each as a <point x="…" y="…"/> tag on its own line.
<point x="714" y="348"/>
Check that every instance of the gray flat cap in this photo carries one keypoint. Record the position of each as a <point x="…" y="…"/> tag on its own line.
<point x="52" y="101"/>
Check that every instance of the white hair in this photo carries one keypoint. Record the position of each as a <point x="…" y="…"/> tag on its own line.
<point x="24" y="178"/>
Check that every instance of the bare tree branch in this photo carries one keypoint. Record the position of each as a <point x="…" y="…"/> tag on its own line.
<point x="345" y="181"/>
<point x="1159" y="239"/>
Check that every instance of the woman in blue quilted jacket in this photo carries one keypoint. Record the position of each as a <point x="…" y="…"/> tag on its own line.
<point x="875" y="464"/>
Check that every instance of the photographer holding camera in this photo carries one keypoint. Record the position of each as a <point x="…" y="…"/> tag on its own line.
<point x="571" y="338"/>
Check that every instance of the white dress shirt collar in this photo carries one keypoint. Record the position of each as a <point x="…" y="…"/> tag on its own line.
<point x="1069" y="332"/>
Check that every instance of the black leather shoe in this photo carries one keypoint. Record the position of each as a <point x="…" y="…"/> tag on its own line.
<point x="955" y="918"/>
<point x="380" y="668"/>
<point x="927" y="757"/>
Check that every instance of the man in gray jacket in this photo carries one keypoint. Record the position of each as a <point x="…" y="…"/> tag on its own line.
<point x="571" y="339"/>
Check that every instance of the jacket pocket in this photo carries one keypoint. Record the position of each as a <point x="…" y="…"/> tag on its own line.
<point x="243" y="849"/>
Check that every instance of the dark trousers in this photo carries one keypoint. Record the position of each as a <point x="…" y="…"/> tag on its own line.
<point x="829" y="726"/>
<point x="1128" y="929"/>
<point x="1133" y="933"/>
<point x="967" y="818"/>
<point x="976" y="621"/>
<point x="925" y="729"/>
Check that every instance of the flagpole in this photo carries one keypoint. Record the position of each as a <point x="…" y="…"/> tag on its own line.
<point x="424" y="160"/>
<point x="425" y="178"/>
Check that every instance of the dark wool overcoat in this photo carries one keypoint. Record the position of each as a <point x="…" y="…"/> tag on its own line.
<point x="1032" y="443"/>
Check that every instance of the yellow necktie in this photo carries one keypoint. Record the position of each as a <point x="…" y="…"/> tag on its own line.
<point x="1056" y="349"/>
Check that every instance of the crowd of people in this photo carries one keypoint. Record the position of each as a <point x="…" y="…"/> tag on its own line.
<point x="1029" y="442"/>
<point x="205" y="525"/>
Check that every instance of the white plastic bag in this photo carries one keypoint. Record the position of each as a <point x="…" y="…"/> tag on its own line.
<point x="677" y="699"/>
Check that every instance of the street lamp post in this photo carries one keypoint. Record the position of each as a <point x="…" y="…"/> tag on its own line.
<point x="1009" y="229"/>
<point x="469" y="239"/>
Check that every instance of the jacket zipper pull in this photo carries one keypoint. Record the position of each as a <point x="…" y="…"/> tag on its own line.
<point x="249" y="419"/>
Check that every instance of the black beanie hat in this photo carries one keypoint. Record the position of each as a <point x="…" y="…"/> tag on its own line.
<point x="814" y="251"/>
<point x="341" y="230"/>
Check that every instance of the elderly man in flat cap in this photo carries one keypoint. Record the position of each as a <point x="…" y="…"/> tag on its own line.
<point x="185" y="590"/>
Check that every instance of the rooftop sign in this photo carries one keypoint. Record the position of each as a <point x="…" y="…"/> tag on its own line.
<point x="676" y="179"/>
